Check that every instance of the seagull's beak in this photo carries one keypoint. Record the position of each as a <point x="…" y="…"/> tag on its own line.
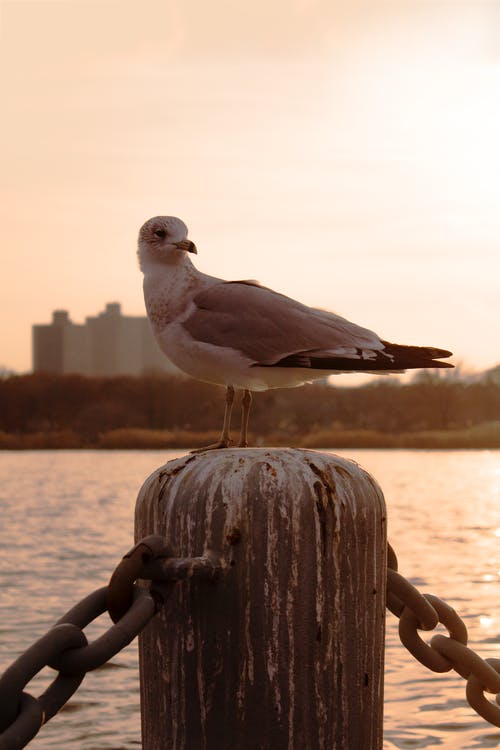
<point x="187" y="245"/>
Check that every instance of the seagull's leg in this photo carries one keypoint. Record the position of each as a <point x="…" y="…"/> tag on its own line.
<point x="225" y="439"/>
<point x="246" y="402"/>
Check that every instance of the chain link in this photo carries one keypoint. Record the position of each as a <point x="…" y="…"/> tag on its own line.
<point x="18" y="712"/>
<point x="120" y="589"/>
<point x="131" y="606"/>
<point x="418" y="611"/>
<point x="65" y="647"/>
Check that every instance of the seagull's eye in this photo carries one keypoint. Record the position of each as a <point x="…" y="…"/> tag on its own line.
<point x="160" y="233"/>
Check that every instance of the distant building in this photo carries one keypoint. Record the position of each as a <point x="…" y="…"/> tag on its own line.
<point x="108" y="344"/>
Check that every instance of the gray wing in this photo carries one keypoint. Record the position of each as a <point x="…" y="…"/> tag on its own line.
<point x="267" y="327"/>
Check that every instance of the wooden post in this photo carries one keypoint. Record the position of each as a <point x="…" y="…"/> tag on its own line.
<point x="285" y="650"/>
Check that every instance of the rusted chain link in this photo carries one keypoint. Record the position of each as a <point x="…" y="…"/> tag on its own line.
<point x="418" y="611"/>
<point x="65" y="647"/>
<point x="131" y="606"/>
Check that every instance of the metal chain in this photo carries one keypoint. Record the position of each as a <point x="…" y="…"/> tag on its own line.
<point x="65" y="647"/>
<point x="418" y="611"/>
<point x="131" y="606"/>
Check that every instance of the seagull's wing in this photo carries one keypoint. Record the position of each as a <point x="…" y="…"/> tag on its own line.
<point x="271" y="329"/>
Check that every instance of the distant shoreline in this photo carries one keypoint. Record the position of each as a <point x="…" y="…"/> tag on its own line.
<point x="483" y="436"/>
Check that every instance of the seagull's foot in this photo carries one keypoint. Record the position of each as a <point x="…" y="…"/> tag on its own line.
<point x="227" y="443"/>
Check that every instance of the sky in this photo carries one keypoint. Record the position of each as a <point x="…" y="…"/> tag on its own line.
<point x="343" y="152"/>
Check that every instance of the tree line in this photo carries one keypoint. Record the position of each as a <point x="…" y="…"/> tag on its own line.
<point x="90" y="406"/>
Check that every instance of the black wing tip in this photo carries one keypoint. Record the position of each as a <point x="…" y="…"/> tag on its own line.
<point x="435" y="364"/>
<point x="423" y="353"/>
<point x="394" y="357"/>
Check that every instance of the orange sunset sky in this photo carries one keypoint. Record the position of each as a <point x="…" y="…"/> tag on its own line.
<point x="344" y="153"/>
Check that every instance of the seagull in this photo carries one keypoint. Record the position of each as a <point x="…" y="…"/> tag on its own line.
<point x="242" y="335"/>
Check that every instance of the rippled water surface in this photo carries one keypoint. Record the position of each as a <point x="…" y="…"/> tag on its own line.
<point x="67" y="518"/>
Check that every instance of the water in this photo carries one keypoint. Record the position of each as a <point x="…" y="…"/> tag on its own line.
<point x="67" y="518"/>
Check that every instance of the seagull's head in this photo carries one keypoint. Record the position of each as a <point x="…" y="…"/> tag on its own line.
<point x="164" y="239"/>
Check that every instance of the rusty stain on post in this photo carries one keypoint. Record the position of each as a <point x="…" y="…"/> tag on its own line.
<point x="284" y="648"/>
